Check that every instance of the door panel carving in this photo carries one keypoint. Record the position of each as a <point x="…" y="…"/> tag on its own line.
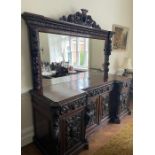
<point x="104" y="106"/>
<point x="73" y="130"/>
<point x="123" y="102"/>
<point x="92" y="111"/>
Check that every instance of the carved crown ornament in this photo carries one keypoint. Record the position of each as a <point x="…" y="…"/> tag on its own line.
<point x="81" y="18"/>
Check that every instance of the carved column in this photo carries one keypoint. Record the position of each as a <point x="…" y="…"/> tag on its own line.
<point x="107" y="52"/>
<point x="56" y="130"/>
<point x="35" y="59"/>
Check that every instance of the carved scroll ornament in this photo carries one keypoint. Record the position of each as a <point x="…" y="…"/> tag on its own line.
<point x="81" y="19"/>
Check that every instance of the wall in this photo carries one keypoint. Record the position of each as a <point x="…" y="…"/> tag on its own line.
<point x="104" y="12"/>
<point x="96" y="55"/>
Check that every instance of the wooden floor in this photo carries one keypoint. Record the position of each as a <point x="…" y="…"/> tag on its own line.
<point x="96" y="141"/>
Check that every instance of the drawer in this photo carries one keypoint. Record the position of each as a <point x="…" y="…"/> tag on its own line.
<point x="73" y="105"/>
<point x="99" y="90"/>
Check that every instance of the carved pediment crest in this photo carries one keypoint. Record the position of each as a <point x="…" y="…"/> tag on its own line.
<point x="81" y="18"/>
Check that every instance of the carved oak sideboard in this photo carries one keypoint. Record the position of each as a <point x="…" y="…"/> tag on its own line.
<point x="66" y="113"/>
<point x="62" y="127"/>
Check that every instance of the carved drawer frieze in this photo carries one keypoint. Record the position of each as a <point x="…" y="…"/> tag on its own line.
<point x="70" y="106"/>
<point x="100" y="90"/>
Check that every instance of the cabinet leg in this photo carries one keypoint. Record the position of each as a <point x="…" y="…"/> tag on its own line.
<point x="129" y="112"/>
<point x="86" y="144"/>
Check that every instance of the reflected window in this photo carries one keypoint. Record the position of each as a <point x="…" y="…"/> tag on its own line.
<point x="69" y="49"/>
<point x="79" y="52"/>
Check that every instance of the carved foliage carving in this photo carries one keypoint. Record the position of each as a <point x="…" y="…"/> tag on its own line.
<point x="56" y="125"/>
<point x="36" y="70"/>
<point x="73" y="105"/>
<point x="107" y="52"/>
<point x="105" y="105"/>
<point x="81" y="19"/>
<point x="73" y="131"/>
<point x="100" y="90"/>
<point x="123" y="102"/>
<point x="91" y="113"/>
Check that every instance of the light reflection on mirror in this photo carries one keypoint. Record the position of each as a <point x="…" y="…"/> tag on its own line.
<point x="62" y="55"/>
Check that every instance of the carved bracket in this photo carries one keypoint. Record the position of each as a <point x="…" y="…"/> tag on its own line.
<point x="81" y="19"/>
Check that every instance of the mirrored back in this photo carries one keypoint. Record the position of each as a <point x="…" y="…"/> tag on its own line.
<point x="63" y="55"/>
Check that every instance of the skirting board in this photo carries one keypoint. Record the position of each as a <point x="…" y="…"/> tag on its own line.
<point x="27" y="136"/>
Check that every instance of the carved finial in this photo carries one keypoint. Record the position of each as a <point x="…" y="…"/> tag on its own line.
<point x="81" y="18"/>
<point x="84" y="11"/>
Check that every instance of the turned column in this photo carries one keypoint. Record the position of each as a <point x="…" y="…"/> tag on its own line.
<point x="35" y="59"/>
<point x="107" y="52"/>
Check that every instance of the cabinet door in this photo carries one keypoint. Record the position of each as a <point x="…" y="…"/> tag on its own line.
<point x="104" y="106"/>
<point x="123" y="107"/>
<point x="73" y="131"/>
<point x="92" y="116"/>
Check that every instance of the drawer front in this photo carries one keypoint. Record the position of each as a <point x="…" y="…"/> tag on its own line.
<point x="99" y="90"/>
<point x="74" y="105"/>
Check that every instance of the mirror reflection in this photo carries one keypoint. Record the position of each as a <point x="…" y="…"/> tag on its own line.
<point x="62" y="55"/>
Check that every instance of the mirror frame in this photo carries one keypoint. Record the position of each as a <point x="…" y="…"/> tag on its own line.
<point x="70" y="25"/>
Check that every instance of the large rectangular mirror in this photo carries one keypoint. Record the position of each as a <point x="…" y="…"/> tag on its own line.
<point x="63" y="55"/>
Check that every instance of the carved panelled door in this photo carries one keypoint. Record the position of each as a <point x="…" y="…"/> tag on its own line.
<point x="72" y="131"/>
<point x="104" y="106"/>
<point x="92" y="116"/>
<point x="123" y="107"/>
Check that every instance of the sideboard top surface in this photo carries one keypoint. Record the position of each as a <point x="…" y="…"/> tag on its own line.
<point x="61" y="89"/>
